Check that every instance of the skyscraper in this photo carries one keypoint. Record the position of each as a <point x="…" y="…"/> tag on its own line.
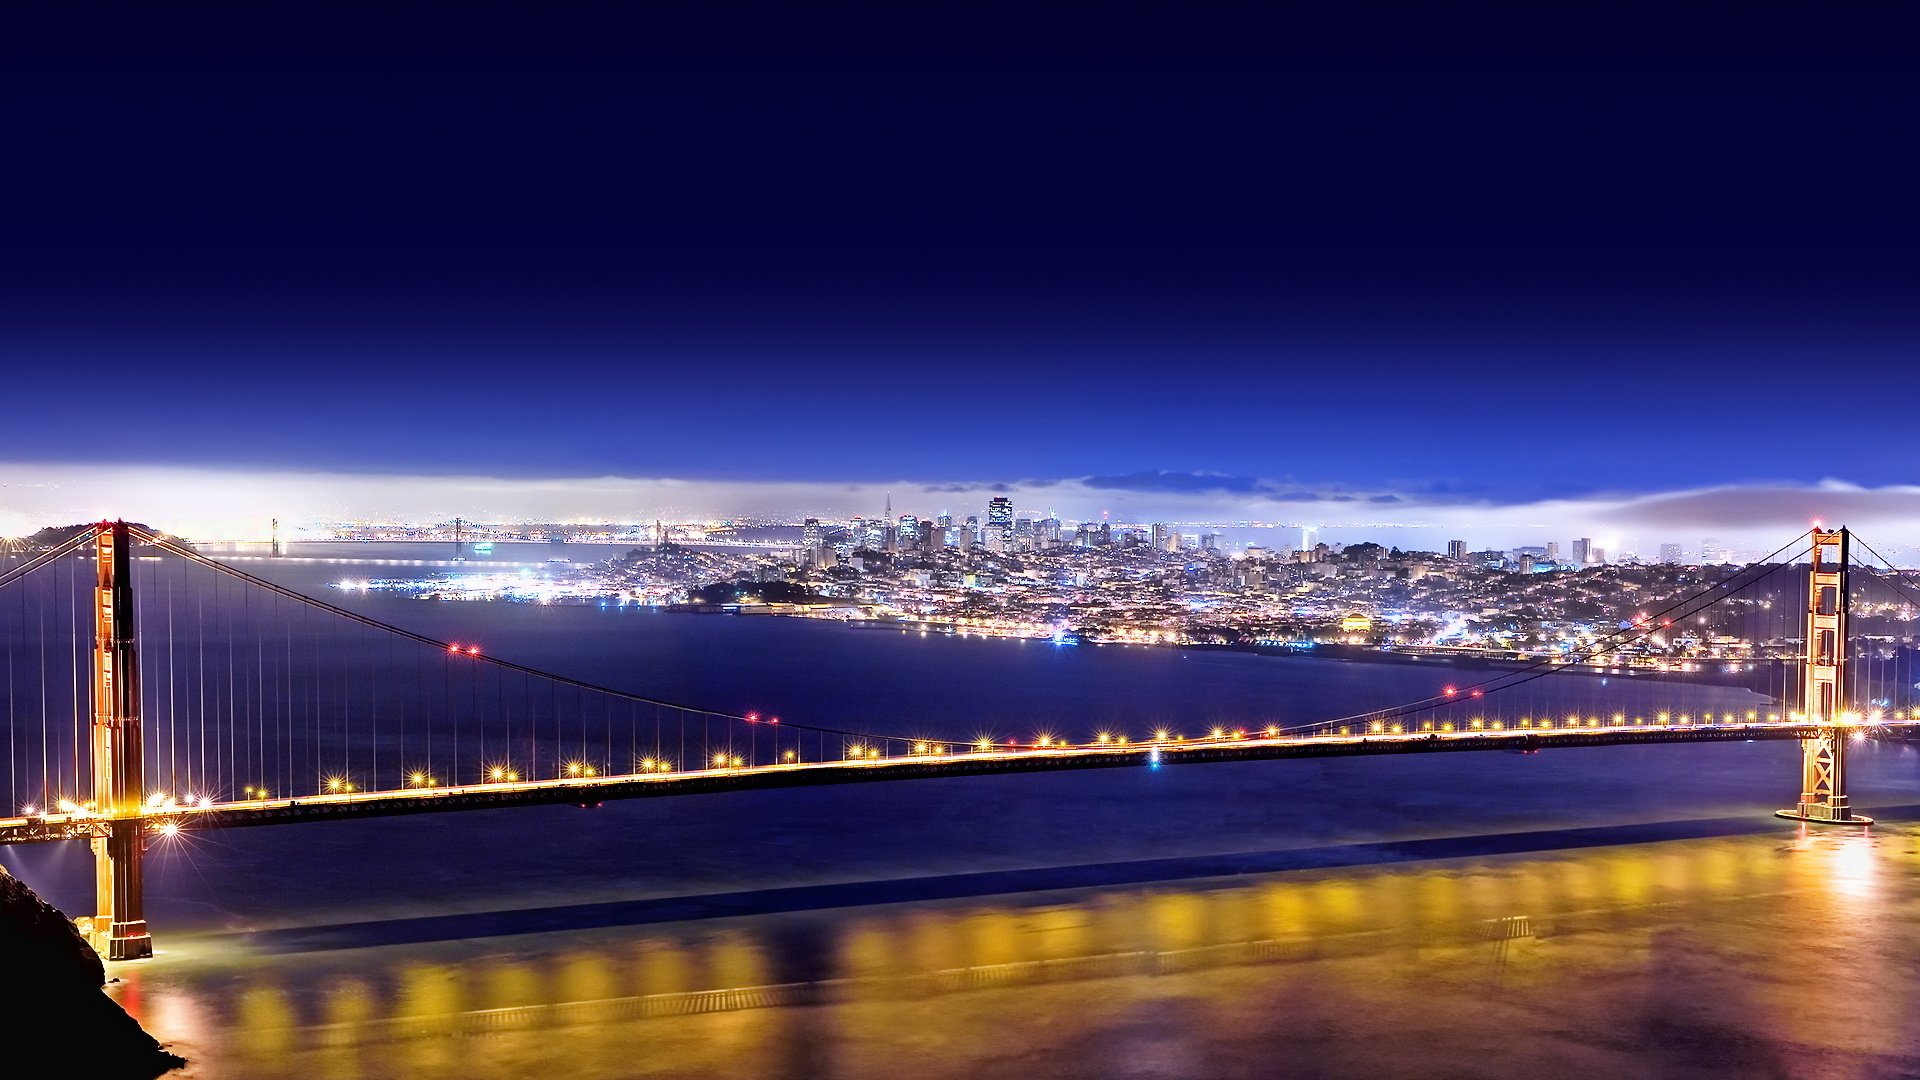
<point x="1000" y="519"/>
<point x="1582" y="551"/>
<point x="1457" y="550"/>
<point x="1670" y="554"/>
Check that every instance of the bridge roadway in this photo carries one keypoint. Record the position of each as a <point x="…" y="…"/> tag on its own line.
<point x="957" y="761"/>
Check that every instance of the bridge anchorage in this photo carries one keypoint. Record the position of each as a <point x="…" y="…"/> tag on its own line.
<point x="1823" y="786"/>
<point x="123" y="795"/>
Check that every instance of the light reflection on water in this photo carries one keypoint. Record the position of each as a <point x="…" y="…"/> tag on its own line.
<point x="1605" y="958"/>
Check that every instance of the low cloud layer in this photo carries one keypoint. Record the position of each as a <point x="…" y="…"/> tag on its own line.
<point x="231" y="504"/>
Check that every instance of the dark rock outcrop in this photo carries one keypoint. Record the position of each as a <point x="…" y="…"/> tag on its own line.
<point x="51" y="1005"/>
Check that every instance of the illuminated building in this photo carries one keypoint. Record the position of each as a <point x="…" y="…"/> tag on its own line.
<point x="1000" y="519"/>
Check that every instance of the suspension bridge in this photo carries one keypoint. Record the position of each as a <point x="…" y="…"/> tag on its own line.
<point x="151" y="690"/>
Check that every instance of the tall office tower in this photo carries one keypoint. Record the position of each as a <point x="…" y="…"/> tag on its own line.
<point x="942" y="534"/>
<point x="1582" y="551"/>
<point x="1209" y="541"/>
<point x="1023" y="534"/>
<point x="1599" y="556"/>
<point x="909" y="532"/>
<point x="1160" y="534"/>
<point x="1670" y="554"/>
<point x="1553" y="551"/>
<point x="1000" y="519"/>
<point x="1457" y="550"/>
<point x="810" y="537"/>
<point x="969" y="533"/>
<point x="1050" y="528"/>
<point x="1713" y="551"/>
<point x="1309" y="536"/>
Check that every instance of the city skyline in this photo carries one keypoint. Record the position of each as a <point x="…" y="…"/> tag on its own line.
<point x="240" y="504"/>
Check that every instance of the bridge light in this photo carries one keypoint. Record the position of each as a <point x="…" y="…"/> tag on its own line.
<point x="983" y="745"/>
<point x="29" y="810"/>
<point x="415" y="778"/>
<point x="1103" y="737"/>
<point x="1219" y="733"/>
<point x="497" y="773"/>
<point x="1450" y="691"/>
<point x="1161" y="735"/>
<point x="872" y="753"/>
<point x="920" y="748"/>
<point x="335" y="785"/>
<point x="170" y="828"/>
<point x="790" y="756"/>
<point x="159" y="797"/>
<point x="1272" y="731"/>
<point x="453" y="647"/>
<point x="473" y="650"/>
<point x="719" y="761"/>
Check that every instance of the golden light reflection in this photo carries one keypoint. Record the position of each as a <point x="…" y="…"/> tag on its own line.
<point x="1236" y="941"/>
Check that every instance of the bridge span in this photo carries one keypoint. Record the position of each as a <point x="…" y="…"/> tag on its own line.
<point x="936" y="763"/>
<point x="246" y="726"/>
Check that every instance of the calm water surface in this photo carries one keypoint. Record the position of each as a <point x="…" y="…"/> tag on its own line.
<point x="1617" y="912"/>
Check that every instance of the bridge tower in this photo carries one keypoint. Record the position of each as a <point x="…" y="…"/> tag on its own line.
<point x="1823" y="688"/>
<point x="120" y="925"/>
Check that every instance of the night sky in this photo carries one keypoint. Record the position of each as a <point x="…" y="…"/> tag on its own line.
<point x="1412" y="252"/>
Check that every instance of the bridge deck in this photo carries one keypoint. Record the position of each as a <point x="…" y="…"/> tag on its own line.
<point x="589" y="790"/>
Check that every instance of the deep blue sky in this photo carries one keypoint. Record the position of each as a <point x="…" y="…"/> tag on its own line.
<point x="1408" y="251"/>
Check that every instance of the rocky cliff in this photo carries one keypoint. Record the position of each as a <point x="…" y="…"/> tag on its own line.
<point x="52" y="1009"/>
